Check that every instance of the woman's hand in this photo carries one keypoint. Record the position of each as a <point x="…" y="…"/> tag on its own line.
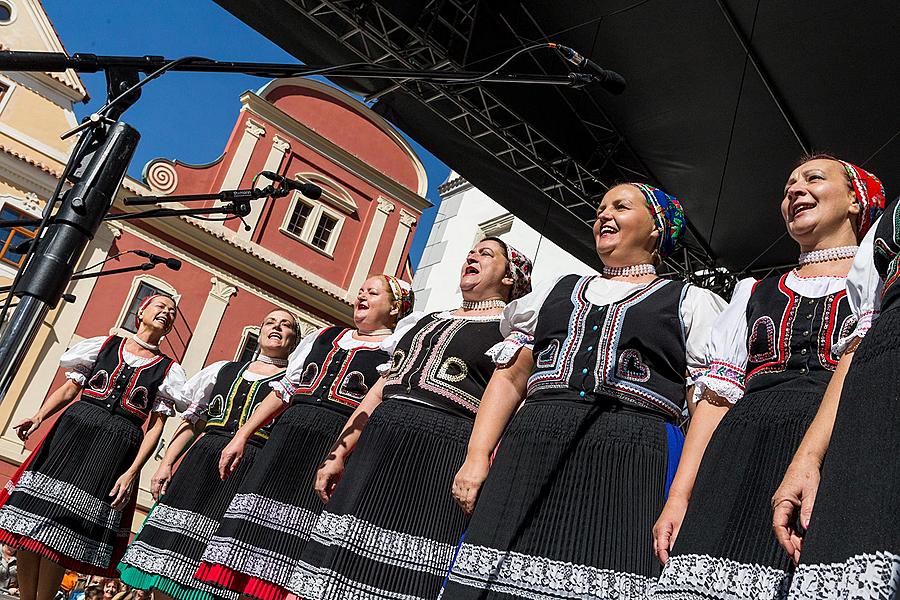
<point x="159" y="483"/>
<point x="26" y="427"/>
<point x="328" y="476"/>
<point x="468" y="481"/>
<point x="121" y="491"/>
<point x="231" y="456"/>
<point x="795" y="497"/>
<point x="667" y="526"/>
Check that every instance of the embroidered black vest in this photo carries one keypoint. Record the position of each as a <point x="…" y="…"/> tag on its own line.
<point x="120" y="388"/>
<point x="790" y="336"/>
<point x="234" y="399"/>
<point x="632" y="350"/>
<point x="442" y="361"/>
<point x="887" y="255"/>
<point x="339" y="376"/>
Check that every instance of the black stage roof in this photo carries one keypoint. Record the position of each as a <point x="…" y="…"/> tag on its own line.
<point x="723" y="96"/>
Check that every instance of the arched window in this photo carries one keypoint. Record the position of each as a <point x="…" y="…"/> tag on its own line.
<point x="141" y="287"/>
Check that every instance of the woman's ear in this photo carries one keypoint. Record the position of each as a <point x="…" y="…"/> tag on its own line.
<point x="855" y="207"/>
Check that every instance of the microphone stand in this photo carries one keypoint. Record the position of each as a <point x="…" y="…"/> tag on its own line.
<point x="101" y="156"/>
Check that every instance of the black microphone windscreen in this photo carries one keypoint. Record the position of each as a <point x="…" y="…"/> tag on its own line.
<point x="311" y="191"/>
<point x="612" y="82"/>
<point x="173" y="263"/>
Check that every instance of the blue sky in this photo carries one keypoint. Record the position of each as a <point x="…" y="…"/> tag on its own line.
<point x="187" y="116"/>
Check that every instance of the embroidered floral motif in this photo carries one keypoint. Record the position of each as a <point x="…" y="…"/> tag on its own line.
<point x="632" y="367"/>
<point x="397" y="361"/>
<point x="309" y="375"/>
<point x="539" y="578"/>
<point x="453" y="370"/>
<point x="216" y="408"/>
<point x="354" y="386"/>
<point x="139" y="399"/>
<point x="546" y="358"/>
<point x="761" y="344"/>
<point x="718" y="579"/>
<point x="99" y="381"/>
<point x="861" y="577"/>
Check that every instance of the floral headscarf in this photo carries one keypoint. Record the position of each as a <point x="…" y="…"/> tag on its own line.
<point x="403" y="295"/>
<point x="869" y="193"/>
<point x="667" y="215"/>
<point x="520" y="268"/>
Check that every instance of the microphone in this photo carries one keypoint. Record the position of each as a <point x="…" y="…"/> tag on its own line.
<point x="611" y="81"/>
<point x="172" y="263"/>
<point x="310" y="190"/>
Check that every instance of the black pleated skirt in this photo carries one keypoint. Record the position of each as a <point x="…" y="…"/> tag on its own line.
<point x="166" y="552"/>
<point x="391" y="528"/>
<point x="726" y="548"/>
<point x="852" y="548"/>
<point x="57" y="503"/>
<point x="266" y="527"/>
<point x="568" y="507"/>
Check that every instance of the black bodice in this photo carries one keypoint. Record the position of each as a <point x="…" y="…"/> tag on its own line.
<point x="790" y="337"/>
<point x="441" y="360"/>
<point x="338" y="376"/>
<point x="234" y="400"/>
<point x="632" y="351"/>
<point x="120" y="388"/>
<point x="887" y="254"/>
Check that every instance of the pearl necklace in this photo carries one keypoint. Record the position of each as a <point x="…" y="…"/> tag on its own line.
<point x="482" y="304"/>
<point x="143" y="344"/>
<point x="271" y="360"/>
<point x="827" y="254"/>
<point x="374" y="333"/>
<point x="630" y="271"/>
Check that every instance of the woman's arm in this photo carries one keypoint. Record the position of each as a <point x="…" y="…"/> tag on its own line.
<point x="706" y="417"/>
<point x="268" y="409"/>
<point x="58" y="400"/>
<point x="797" y="492"/>
<point x="504" y="392"/>
<point x="332" y="468"/>
<point x="122" y="490"/>
<point x="183" y="437"/>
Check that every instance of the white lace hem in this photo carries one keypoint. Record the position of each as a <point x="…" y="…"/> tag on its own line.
<point x="861" y="577"/>
<point x="719" y="578"/>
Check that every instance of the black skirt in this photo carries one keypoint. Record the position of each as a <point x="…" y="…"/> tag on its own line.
<point x="57" y="503"/>
<point x="391" y="528"/>
<point x="726" y="548"/>
<point x="166" y="552"/>
<point x="852" y="548"/>
<point x="568" y="507"/>
<point x="268" y="523"/>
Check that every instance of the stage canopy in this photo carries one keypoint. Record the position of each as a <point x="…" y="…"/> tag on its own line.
<point x="723" y="96"/>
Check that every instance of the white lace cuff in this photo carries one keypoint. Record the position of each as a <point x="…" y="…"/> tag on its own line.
<point x="384" y="368"/>
<point x="164" y="406"/>
<point x="284" y="389"/>
<point x="504" y="352"/>
<point x="860" y="331"/>
<point x="79" y="374"/>
<point x="723" y="379"/>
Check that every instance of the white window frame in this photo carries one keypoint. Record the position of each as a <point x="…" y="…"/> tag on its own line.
<point x="312" y="222"/>
<point x="22" y="206"/>
<point x="156" y="282"/>
<point x="13" y="13"/>
<point x="10" y="88"/>
<point x="245" y="334"/>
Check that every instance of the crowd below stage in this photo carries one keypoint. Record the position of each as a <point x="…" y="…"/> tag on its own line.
<point x="526" y="444"/>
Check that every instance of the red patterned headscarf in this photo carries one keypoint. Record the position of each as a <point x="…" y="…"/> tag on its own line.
<point x="869" y="193"/>
<point x="403" y="295"/>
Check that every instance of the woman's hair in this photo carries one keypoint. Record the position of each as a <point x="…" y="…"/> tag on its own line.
<point x="823" y="156"/>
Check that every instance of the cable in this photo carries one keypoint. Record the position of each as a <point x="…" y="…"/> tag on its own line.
<point x="103" y="262"/>
<point x="519" y="52"/>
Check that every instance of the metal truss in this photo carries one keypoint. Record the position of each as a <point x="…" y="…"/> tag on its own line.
<point x="439" y="40"/>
